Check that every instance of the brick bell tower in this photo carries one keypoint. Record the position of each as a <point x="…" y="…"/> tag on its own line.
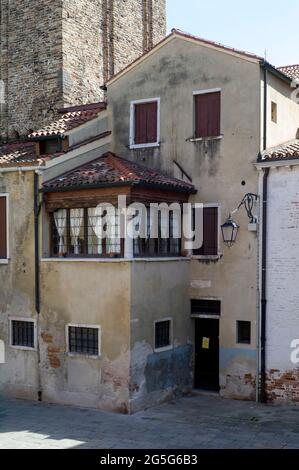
<point x="56" y="53"/>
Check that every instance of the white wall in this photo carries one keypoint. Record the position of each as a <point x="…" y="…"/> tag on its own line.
<point x="282" y="282"/>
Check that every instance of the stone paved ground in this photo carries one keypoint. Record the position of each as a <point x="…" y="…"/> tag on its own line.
<point x="198" y="422"/>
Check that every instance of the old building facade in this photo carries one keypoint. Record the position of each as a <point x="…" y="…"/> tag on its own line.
<point x="185" y="74"/>
<point x="119" y="324"/>
<point x="57" y="53"/>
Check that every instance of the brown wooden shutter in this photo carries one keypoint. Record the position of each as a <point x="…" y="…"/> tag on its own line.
<point x="146" y="123"/>
<point x="3" y="236"/>
<point x="207" y="115"/>
<point x="210" y="233"/>
<point x="152" y="112"/>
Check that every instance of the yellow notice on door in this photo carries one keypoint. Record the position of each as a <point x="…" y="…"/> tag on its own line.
<point x="205" y="343"/>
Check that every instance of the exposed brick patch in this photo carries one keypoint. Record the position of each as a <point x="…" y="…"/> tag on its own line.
<point x="54" y="361"/>
<point x="47" y="338"/>
<point x="53" y="351"/>
<point x="282" y="387"/>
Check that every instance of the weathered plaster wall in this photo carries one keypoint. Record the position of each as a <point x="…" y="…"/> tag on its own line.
<point x="287" y="124"/>
<point x="90" y="293"/>
<point x="217" y="168"/>
<point x="159" y="291"/>
<point x="19" y="374"/>
<point x="282" y="290"/>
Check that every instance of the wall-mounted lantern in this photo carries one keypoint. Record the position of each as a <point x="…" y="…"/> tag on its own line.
<point x="229" y="232"/>
<point x="230" y="228"/>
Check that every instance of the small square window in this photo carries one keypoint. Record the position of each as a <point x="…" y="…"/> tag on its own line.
<point x="50" y="146"/>
<point x="22" y="333"/>
<point x="83" y="340"/>
<point x="162" y="334"/>
<point x="274" y="112"/>
<point x="244" y="332"/>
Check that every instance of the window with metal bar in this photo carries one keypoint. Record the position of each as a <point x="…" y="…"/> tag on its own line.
<point x="22" y="333"/>
<point x="205" y="307"/>
<point x="83" y="340"/>
<point x="162" y="334"/>
<point x="166" y="243"/>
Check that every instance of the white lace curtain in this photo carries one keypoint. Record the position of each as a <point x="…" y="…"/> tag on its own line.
<point x="60" y="222"/>
<point x="113" y="231"/>
<point x="96" y="228"/>
<point x="76" y="220"/>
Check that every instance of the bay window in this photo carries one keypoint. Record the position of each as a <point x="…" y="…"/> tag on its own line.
<point x="81" y="232"/>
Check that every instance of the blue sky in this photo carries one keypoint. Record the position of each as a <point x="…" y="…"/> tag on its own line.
<point x="254" y="26"/>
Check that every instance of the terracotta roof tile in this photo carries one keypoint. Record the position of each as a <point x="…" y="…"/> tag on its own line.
<point x="284" y="152"/>
<point x="72" y="118"/>
<point x="111" y="169"/>
<point x="292" y="71"/>
<point x="18" y="154"/>
<point x="216" y="44"/>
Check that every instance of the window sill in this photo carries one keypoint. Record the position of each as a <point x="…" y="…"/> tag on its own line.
<point x="23" y="348"/>
<point x="83" y="356"/>
<point x="144" y="146"/>
<point x="207" y="257"/>
<point x="160" y="350"/>
<point x="112" y="260"/>
<point x="4" y="261"/>
<point x="202" y="139"/>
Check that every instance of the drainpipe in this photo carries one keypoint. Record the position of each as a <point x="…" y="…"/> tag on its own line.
<point x="37" y="208"/>
<point x="265" y="106"/>
<point x="263" y="395"/>
<point x="263" y="323"/>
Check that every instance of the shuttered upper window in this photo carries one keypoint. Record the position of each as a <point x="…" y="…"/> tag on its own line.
<point x="145" y="123"/>
<point x="3" y="227"/>
<point x="210" y="233"/>
<point x="207" y="114"/>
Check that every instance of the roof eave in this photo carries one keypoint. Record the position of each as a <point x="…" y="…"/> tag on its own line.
<point x="162" y="187"/>
<point x="40" y="138"/>
<point x="277" y="73"/>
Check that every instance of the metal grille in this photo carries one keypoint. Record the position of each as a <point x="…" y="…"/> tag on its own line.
<point x="162" y="334"/>
<point x="84" y="340"/>
<point x="205" y="307"/>
<point x="22" y="333"/>
<point x="244" y="332"/>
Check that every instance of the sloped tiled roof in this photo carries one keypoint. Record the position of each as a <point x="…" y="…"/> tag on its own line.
<point x="284" y="152"/>
<point x="215" y="44"/>
<point x="292" y="71"/>
<point x="110" y="169"/>
<point x="18" y="154"/>
<point x="72" y="118"/>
